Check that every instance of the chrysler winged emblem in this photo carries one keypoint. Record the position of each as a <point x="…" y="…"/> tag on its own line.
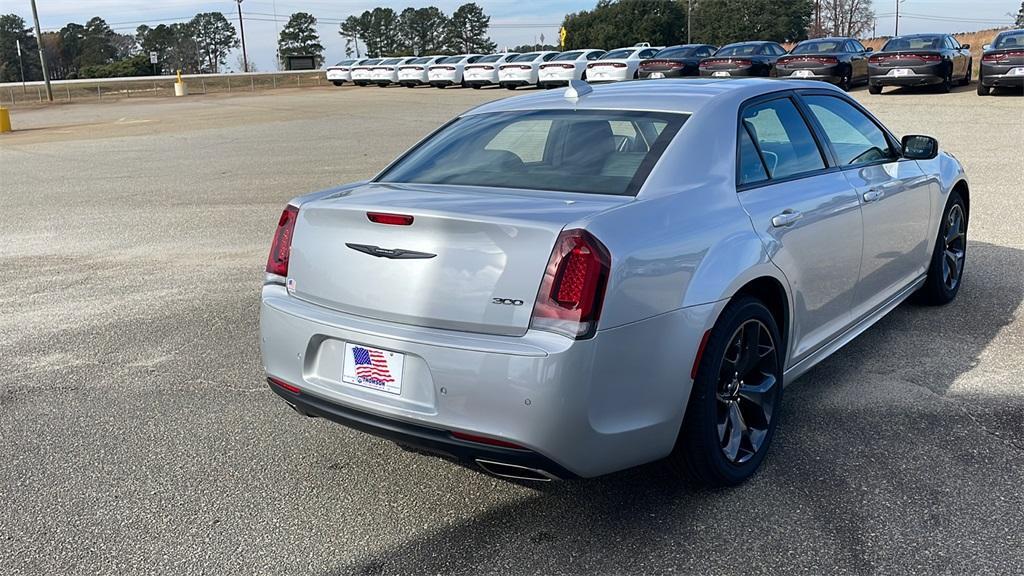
<point x="393" y="253"/>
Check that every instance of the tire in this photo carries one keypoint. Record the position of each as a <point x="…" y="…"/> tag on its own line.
<point x="337" y="82"/>
<point x="982" y="89"/>
<point x="510" y="87"/>
<point x="477" y="86"/>
<point x="874" y="89"/>
<point x="966" y="81"/>
<point x="947" y="82"/>
<point x="702" y="453"/>
<point x="945" y="273"/>
<point x="844" y="83"/>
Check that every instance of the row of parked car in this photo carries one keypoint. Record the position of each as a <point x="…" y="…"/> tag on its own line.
<point x="913" y="60"/>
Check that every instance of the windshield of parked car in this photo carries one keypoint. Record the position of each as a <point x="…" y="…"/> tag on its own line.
<point x="739" y="50"/>
<point x="914" y="43"/>
<point x="591" y="151"/>
<point x="618" y="54"/>
<point x="1013" y="39"/>
<point x="452" y="60"/>
<point x="675" y="52"/>
<point x="526" y="57"/>
<point x="819" y="47"/>
<point x="567" y="56"/>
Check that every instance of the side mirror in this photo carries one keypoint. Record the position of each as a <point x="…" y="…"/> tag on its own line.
<point x="869" y="49"/>
<point x="986" y="47"/>
<point x="918" y="147"/>
<point x="965" y="46"/>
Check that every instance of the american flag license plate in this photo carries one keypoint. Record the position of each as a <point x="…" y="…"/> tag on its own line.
<point x="373" y="368"/>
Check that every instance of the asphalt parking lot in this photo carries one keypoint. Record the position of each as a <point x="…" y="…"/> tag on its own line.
<point x="138" y="436"/>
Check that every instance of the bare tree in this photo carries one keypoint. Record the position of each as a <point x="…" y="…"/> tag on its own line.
<point x="844" y="17"/>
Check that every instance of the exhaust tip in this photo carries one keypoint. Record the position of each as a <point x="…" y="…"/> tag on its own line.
<point x="515" y="472"/>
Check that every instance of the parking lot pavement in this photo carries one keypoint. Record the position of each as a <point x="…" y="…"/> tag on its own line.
<point x="137" y="434"/>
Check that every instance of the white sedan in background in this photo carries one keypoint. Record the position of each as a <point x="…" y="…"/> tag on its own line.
<point x="342" y="71"/>
<point x="571" y="65"/>
<point x="386" y="72"/>
<point x="484" y="72"/>
<point x="522" y="70"/>
<point x="448" y="71"/>
<point x="414" y="72"/>
<point x="361" y="74"/>
<point x="619" y="65"/>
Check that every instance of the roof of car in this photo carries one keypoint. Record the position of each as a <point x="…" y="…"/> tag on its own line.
<point x="827" y="39"/>
<point x="669" y="95"/>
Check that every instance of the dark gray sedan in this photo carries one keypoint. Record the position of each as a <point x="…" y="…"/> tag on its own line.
<point x="840" y="61"/>
<point x="920" y="60"/>
<point x="1002" y="63"/>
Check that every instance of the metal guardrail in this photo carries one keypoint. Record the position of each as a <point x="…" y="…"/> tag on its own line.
<point x="14" y="93"/>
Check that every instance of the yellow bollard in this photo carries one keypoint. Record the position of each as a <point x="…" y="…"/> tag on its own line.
<point x="5" y="120"/>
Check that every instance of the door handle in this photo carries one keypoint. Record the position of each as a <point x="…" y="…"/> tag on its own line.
<point x="874" y="195"/>
<point x="786" y="219"/>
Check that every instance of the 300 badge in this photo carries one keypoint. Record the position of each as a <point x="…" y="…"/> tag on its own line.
<point x="506" y="302"/>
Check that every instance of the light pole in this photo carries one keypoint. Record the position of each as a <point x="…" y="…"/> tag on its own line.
<point x="689" y="17"/>
<point x="241" y="28"/>
<point x="42" y="59"/>
<point x="898" y="2"/>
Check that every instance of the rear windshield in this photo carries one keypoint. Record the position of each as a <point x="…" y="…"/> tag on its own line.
<point x="592" y="151"/>
<point x="617" y="54"/>
<point x="421" y="60"/>
<point x="371" y="62"/>
<point x="675" y="52"/>
<point x="567" y="56"/>
<point x="1013" y="39"/>
<point x="491" y="58"/>
<point x="915" y="43"/>
<point x="526" y="57"/>
<point x="392" y="61"/>
<point x="739" y="50"/>
<point x="451" y="60"/>
<point x="345" y="62"/>
<point x="819" y="47"/>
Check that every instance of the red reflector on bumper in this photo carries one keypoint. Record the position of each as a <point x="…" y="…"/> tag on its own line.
<point x="284" y="385"/>
<point x="484" y="440"/>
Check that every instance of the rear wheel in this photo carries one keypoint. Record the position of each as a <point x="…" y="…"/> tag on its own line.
<point x="844" y="83"/>
<point x="949" y="256"/>
<point x="874" y="89"/>
<point x="731" y="415"/>
<point x="947" y="82"/>
<point x="982" y="89"/>
<point x="337" y="82"/>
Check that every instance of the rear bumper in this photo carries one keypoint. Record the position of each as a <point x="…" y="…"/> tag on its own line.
<point x="998" y="77"/>
<point x="832" y="74"/>
<point x="924" y="75"/>
<point x="741" y="72"/>
<point x="421" y="438"/>
<point x="590" y="407"/>
<point x="442" y="82"/>
<point x="480" y="82"/>
<point x="513" y="83"/>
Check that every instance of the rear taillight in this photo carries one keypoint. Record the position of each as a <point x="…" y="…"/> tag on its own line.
<point x="284" y="385"/>
<point x="1002" y="57"/>
<point x="281" y="247"/>
<point x="572" y="290"/>
<point x="486" y="440"/>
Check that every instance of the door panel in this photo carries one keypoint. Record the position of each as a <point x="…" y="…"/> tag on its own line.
<point x="895" y="200"/>
<point x="807" y="217"/>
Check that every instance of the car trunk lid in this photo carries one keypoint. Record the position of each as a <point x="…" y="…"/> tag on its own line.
<point x="471" y="259"/>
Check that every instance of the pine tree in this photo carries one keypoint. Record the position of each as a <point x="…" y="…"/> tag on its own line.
<point x="215" y="37"/>
<point x="468" y="30"/>
<point x="300" y="38"/>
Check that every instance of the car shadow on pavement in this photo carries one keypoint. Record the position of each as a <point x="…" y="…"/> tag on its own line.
<point x="886" y="460"/>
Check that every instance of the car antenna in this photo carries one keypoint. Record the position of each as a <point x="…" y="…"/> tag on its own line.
<point x="578" y="88"/>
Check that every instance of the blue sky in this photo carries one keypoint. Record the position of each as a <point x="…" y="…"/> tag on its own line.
<point x="513" y="21"/>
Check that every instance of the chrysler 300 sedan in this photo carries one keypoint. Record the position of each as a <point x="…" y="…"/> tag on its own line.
<point x="571" y="283"/>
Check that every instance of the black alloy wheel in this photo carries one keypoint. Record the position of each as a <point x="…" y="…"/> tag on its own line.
<point x="949" y="257"/>
<point x="732" y="412"/>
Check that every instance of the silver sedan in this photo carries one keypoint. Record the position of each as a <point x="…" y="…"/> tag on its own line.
<point x="571" y="283"/>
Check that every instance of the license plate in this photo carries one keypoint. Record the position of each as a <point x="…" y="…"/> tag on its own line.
<point x="1018" y="71"/>
<point x="901" y="72"/>
<point x="721" y="74"/>
<point x="657" y="75"/>
<point x="373" y="368"/>
<point x="803" y="74"/>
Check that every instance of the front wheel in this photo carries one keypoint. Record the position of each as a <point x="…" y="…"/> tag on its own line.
<point x="732" y="412"/>
<point x="874" y="89"/>
<point x="949" y="255"/>
<point x="966" y="81"/>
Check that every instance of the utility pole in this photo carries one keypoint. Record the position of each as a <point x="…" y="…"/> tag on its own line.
<point x="42" y="59"/>
<point x="241" y="28"/>
<point x="817" y="18"/>
<point x="689" y="17"/>
<point x="21" y="63"/>
<point x="897" y="32"/>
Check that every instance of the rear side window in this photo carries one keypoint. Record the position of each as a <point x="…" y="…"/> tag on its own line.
<point x="854" y="137"/>
<point x="782" y="137"/>
<point x="591" y="151"/>
<point x="751" y="168"/>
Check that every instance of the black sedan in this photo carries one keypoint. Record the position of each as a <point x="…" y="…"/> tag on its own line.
<point x="841" y="61"/>
<point x="1002" y="63"/>
<point x="920" y="60"/>
<point x="675" y="61"/>
<point x="743" y="59"/>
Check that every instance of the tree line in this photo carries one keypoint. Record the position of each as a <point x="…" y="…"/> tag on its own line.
<point x="417" y="31"/>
